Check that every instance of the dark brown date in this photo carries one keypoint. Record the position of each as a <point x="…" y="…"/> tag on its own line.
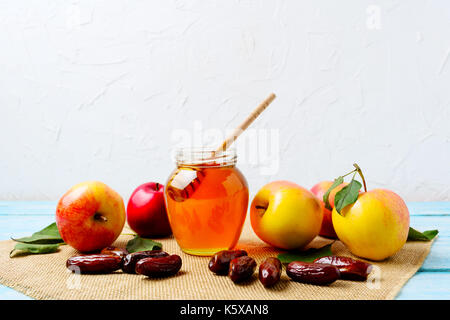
<point x="312" y="273"/>
<point x="270" y="271"/>
<point x="241" y="268"/>
<point x="94" y="263"/>
<point x="115" y="250"/>
<point x="220" y="262"/>
<point x="349" y="268"/>
<point x="159" y="267"/>
<point x="130" y="260"/>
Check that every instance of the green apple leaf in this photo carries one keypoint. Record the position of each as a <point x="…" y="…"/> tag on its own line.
<point x="34" y="248"/>
<point x="48" y="235"/>
<point x="414" y="235"/>
<point x="46" y="240"/>
<point x="348" y="195"/>
<point x="337" y="181"/>
<point x="308" y="255"/>
<point x="142" y="244"/>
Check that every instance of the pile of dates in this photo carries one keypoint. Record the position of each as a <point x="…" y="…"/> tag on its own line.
<point x="323" y="271"/>
<point x="239" y="267"/>
<point x="154" y="263"/>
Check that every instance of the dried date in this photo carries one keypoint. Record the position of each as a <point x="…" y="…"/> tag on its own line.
<point x="94" y="263"/>
<point x="159" y="267"/>
<point x="349" y="268"/>
<point x="220" y="262"/>
<point x="312" y="273"/>
<point x="130" y="260"/>
<point x="241" y="268"/>
<point x="270" y="271"/>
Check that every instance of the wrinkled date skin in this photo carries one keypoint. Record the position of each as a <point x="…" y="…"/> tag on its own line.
<point x="312" y="273"/>
<point x="349" y="268"/>
<point x="220" y="262"/>
<point x="115" y="250"/>
<point x="270" y="271"/>
<point x="159" y="267"/>
<point x="94" y="263"/>
<point x="130" y="260"/>
<point x="241" y="268"/>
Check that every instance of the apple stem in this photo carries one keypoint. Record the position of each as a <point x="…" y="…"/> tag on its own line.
<point x="358" y="169"/>
<point x="261" y="209"/>
<point x="100" y="217"/>
<point x="157" y="186"/>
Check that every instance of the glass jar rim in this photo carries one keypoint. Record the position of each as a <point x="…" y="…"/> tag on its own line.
<point x="204" y="157"/>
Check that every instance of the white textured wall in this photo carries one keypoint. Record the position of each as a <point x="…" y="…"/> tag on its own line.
<point x="94" y="89"/>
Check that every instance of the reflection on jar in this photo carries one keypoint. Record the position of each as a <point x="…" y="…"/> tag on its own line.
<point x="206" y="198"/>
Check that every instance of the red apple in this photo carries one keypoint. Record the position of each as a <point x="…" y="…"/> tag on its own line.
<point x="327" y="229"/>
<point x="90" y="216"/>
<point x="146" y="211"/>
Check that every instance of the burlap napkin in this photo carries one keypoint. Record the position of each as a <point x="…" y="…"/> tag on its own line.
<point x="46" y="277"/>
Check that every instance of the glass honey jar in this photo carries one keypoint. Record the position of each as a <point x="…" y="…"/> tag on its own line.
<point x="206" y="198"/>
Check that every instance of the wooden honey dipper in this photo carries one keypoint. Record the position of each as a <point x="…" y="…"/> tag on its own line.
<point x="184" y="182"/>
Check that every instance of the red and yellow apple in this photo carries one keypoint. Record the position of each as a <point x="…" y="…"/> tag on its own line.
<point x="327" y="229"/>
<point x="375" y="226"/>
<point x="285" y="215"/>
<point x="146" y="211"/>
<point x="90" y="216"/>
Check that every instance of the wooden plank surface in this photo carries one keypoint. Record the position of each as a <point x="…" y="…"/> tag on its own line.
<point x="21" y="218"/>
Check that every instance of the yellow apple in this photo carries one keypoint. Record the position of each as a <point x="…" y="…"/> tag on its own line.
<point x="285" y="215"/>
<point x="375" y="226"/>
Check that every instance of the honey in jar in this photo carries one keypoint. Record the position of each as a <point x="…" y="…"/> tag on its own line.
<point x="206" y="198"/>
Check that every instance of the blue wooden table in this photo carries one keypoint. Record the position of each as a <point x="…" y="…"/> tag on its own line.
<point x="432" y="281"/>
